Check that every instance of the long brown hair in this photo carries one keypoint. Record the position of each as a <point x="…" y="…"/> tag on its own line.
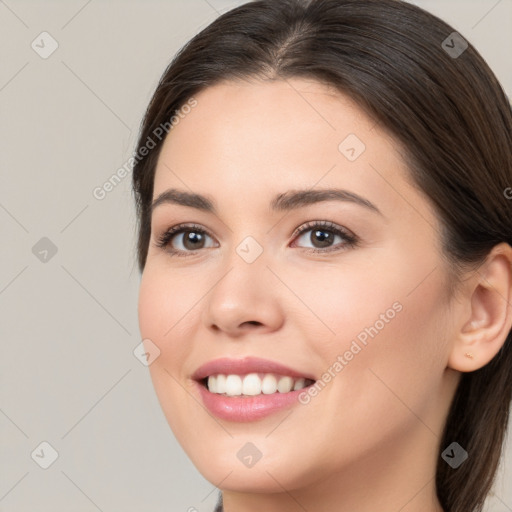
<point x="437" y="96"/>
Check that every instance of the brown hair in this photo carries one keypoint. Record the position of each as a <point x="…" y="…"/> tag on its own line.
<point x="441" y="102"/>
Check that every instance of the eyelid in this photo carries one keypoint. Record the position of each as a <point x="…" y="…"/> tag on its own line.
<point x="326" y="224"/>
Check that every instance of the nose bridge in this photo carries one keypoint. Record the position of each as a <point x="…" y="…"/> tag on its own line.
<point x="244" y="292"/>
<point x="250" y="250"/>
<point x="245" y="270"/>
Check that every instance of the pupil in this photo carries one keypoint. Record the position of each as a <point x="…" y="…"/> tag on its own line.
<point x="193" y="238"/>
<point x="323" y="238"/>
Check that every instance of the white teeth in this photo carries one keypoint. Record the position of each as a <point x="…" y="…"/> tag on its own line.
<point x="220" y="383"/>
<point x="299" y="384"/>
<point x="233" y="385"/>
<point x="253" y="384"/>
<point x="269" y="384"/>
<point x="285" y="385"/>
<point x="212" y="383"/>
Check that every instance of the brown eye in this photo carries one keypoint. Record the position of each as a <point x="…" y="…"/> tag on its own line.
<point x="323" y="235"/>
<point x="186" y="238"/>
<point x="193" y="240"/>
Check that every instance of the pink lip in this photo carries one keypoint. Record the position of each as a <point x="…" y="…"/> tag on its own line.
<point x="246" y="408"/>
<point x="244" y="366"/>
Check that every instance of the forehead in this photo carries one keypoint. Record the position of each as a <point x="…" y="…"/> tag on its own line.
<point x="250" y="119"/>
<point x="262" y="137"/>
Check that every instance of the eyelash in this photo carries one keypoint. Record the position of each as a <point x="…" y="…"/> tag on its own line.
<point x="351" y="240"/>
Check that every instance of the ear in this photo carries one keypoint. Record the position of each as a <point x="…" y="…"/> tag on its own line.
<point x="485" y="330"/>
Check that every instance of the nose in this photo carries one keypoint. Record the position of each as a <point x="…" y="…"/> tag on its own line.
<point x="245" y="298"/>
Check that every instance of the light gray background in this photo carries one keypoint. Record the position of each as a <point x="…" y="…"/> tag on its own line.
<point x="69" y="325"/>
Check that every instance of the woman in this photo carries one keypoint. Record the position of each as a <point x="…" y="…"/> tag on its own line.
<point x="325" y="246"/>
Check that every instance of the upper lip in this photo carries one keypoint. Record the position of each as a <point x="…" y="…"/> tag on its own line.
<point x="246" y="365"/>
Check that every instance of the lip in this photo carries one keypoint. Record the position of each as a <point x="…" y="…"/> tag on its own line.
<point x="249" y="408"/>
<point x="246" y="408"/>
<point x="244" y="366"/>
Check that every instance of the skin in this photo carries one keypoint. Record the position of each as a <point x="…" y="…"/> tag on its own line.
<point x="370" y="439"/>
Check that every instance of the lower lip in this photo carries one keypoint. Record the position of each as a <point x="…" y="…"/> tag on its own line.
<point x="247" y="408"/>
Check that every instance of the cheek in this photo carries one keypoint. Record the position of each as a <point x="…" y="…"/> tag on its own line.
<point x="165" y="300"/>
<point x="343" y="301"/>
<point x="394" y="360"/>
<point x="367" y="300"/>
<point x="383" y="341"/>
<point x="149" y="304"/>
<point x="163" y="306"/>
<point x="165" y="312"/>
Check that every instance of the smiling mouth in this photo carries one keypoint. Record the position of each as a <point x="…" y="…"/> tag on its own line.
<point x="253" y="384"/>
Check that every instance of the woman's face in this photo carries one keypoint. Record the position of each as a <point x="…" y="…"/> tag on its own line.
<point x="365" y="316"/>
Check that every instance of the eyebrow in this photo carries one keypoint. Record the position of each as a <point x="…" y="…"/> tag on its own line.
<point x="290" y="200"/>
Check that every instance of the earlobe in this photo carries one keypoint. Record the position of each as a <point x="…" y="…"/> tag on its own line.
<point x="484" y="333"/>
